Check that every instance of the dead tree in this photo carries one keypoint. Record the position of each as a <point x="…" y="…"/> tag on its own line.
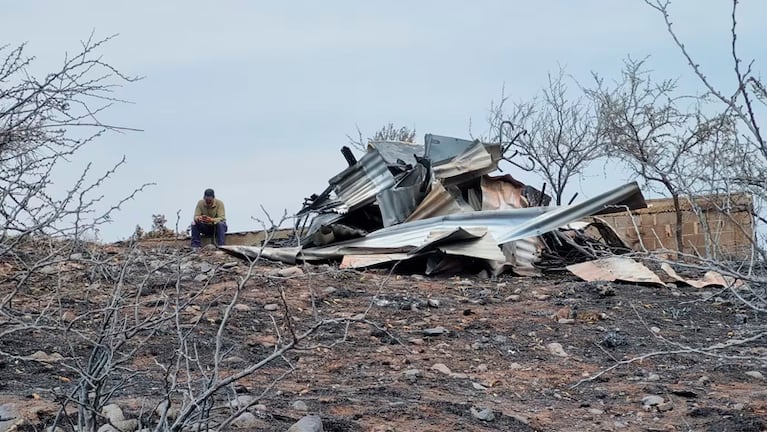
<point x="560" y="136"/>
<point x="388" y="132"/>
<point x="44" y="122"/>
<point x="740" y="164"/>
<point x="655" y="130"/>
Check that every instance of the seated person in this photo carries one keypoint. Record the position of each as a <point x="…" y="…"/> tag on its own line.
<point x="209" y="219"/>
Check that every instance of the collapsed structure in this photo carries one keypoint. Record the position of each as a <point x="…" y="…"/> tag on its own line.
<point x="436" y="208"/>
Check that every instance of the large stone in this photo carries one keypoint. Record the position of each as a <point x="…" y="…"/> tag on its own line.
<point x="308" y="423"/>
<point x="556" y="349"/>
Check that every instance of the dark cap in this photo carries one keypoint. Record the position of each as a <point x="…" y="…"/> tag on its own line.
<point x="209" y="193"/>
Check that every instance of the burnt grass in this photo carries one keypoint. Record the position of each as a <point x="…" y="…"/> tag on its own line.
<point x="494" y="341"/>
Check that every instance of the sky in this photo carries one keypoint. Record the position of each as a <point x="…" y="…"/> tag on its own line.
<point x="255" y="99"/>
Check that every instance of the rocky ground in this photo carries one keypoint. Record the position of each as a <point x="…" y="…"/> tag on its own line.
<point x="398" y="352"/>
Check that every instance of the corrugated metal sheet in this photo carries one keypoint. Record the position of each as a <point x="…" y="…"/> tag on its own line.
<point x="439" y="201"/>
<point x="355" y="186"/>
<point x="476" y="161"/>
<point x="406" y="236"/>
<point x="359" y="183"/>
<point x="560" y="216"/>
<point x="522" y="255"/>
<point x="441" y="148"/>
<point x="502" y="192"/>
<point x="393" y="150"/>
<point x="362" y="261"/>
<point x="397" y="203"/>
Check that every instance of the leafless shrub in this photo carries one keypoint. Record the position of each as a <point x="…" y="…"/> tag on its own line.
<point x="388" y="132"/>
<point x="560" y="132"/>
<point x="658" y="133"/>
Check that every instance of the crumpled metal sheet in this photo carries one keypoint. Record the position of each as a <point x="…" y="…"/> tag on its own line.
<point x="477" y="160"/>
<point x="356" y="185"/>
<point x="710" y="278"/>
<point x="561" y="216"/>
<point x="615" y="268"/>
<point x="441" y="148"/>
<point x="440" y="201"/>
<point x="502" y="192"/>
<point x="391" y="151"/>
<point x="398" y="202"/>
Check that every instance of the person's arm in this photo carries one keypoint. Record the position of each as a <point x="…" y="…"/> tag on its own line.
<point x="220" y="212"/>
<point x="198" y="211"/>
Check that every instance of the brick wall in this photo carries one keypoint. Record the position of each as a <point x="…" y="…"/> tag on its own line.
<point x="727" y="233"/>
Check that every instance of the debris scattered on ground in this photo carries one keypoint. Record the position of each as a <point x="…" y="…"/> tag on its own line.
<point x="436" y="209"/>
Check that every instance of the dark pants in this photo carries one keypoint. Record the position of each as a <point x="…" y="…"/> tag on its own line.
<point x="218" y="229"/>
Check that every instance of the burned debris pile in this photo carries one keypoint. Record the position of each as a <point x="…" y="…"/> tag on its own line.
<point x="436" y="208"/>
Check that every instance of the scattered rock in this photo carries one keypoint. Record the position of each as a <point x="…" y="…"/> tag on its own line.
<point x="329" y="291"/>
<point x="113" y="412"/>
<point x="755" y="374"/>
<point x="241" y="401"/>
<point x="704" y="380"/>
<point x="412" y="375"/>
<point x="44" y="357"/>
<point x="652" y="400"/>
<point x="300" y="405"/>
<point x="242" y="307"/>
<point x="246" y="420"/>
<point x="484" y="414"/>
<point x="542" y="297"/>
<point x="741" y="318"/>
<point x="556" y="349"/>
<point x="655" y="330"/>
<point x="513" y="297"/>
<point x="653" y="377"/>
<point x="271" y="307"/>
<point x="565" y="312"/>
<point x="565" y="321"/>
<point x="595" y="411"/>
<point x="613" y="339"/>
<point x="201" y="277"/>
<point x="290" y="272"/>
<point x="439" y="367"/>
<point x="172" y="411"/>
<point x="433" y="303"/>
<point x="436" y="331"/>
<point x="664" y="407"/>
<point x="478" y="386"/>
<point x="416" y="341"/>
<point x="308" y="423"/>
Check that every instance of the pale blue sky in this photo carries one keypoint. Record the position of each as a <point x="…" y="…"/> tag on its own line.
<point x="255" y="98"/>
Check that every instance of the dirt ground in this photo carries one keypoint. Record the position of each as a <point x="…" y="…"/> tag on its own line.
<point x="459" y="353"/>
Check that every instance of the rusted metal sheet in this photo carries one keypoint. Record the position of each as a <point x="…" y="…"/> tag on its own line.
<point x="502" y="192"/>
<point x="710" y="278"/>
<point x="615" y="269"/>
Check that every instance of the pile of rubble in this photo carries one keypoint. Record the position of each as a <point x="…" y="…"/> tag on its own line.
<point x="435" y="208"/>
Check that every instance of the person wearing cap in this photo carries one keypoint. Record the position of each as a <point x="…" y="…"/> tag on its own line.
<point x="209" y="219"/>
